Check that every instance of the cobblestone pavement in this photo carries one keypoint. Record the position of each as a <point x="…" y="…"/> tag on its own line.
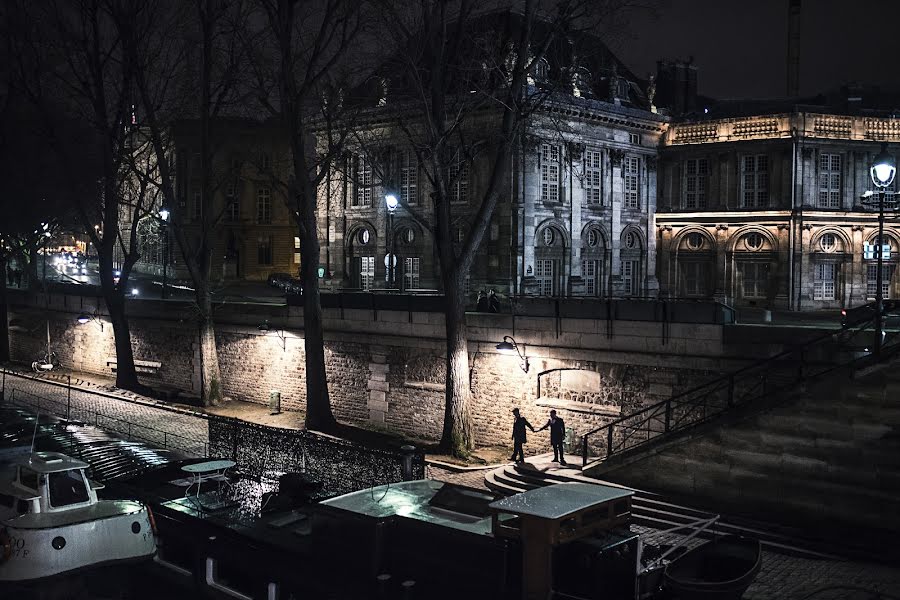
<point x="131" y="415"/>
<point x="780" y="578"/>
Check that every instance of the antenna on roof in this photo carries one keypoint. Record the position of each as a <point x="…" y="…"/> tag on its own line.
<point x="37" y="419"/>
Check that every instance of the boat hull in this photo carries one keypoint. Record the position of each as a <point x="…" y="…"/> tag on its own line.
<point x="720" y="569"/>
<point x="36" y="553"/>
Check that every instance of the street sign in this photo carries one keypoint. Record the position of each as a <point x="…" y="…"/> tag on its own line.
<point x="870" y="252"/>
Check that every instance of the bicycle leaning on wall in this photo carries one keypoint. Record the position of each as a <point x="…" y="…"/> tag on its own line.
<point x="48" y="361"/>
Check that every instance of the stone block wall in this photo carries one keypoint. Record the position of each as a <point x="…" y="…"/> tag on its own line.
<point x="387" y="368"/>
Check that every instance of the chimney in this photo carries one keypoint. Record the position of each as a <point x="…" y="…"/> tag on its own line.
<point x="793" y="49"/>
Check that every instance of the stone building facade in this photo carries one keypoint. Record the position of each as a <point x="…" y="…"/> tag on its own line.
<point x="769" y="209"/>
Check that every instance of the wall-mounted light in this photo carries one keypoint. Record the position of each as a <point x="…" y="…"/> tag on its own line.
<point x="265" y="328"/>
<point x="509" y="346"/>
<point x="85" y="318"/>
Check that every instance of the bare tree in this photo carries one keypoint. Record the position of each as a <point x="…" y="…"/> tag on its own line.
<point x="204" y="33"/>
<point x="71" y="65"/>
<point x="461" y="98"/>
<point x="309" y="41"/>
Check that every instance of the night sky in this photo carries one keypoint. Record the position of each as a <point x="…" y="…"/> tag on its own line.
<point x="740" y="46"/>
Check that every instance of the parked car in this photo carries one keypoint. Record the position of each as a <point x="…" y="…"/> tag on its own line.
<point x="278" y="279"/>
<point x="850" y="317"/>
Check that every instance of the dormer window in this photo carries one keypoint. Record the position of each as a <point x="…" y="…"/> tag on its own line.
<point x="542" y="70"/>
<point x="582" y="82"/>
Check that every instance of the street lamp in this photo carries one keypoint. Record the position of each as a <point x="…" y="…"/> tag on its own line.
<point x="510" y="347"/>
<point x="391" y="201"/>
<point x="883" y="170"/>
<point x="164" y="219"/>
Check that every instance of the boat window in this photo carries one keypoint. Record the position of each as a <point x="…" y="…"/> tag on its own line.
<point x="28" y="478"/>
<point x="67" y="487"/>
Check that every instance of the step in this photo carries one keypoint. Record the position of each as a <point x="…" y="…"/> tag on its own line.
<point x="501" y="488"/>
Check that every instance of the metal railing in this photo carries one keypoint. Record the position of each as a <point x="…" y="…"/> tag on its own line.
<point x="129" y="429"/>
<point x="847" y="347"/>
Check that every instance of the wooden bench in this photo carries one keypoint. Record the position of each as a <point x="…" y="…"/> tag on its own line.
<point x="150" y="367"/>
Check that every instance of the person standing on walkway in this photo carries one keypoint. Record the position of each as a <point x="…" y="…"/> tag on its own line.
<point x="493" y="302"/>
<point x="557" y="436"/>
<point x="518" y="435"/>
<point x="9" y="276"/>
<point x="481" y="305"/>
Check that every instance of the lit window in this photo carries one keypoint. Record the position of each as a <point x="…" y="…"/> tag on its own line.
<point x="458" y="180"/>
<point x="296" y="250"/>
<point x="631" y="166"/>
<point x="544" y="271"/>
<point x="631" y="277"/>
<point x="593" y="176"/>
<point x="887" y="272"/>
<point x="696" y="173"/>
<point x="592" y="272"/>
<point x="411" y="272"/>
<point x="829" y="181"/>
<point x="824" y="287"/>
<point x="263" y="205"/>
<point x="409" y="177"/>
<point x="549" y="236"/>
<point x="363" y="237"/>
<point x="550" y="169"/>
<point x="363" y="177"/>
<point x="755" y="181"/>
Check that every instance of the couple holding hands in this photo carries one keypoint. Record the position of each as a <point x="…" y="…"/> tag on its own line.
<point x="557" y="436"/>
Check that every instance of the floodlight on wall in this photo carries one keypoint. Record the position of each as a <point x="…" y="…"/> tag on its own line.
<point x="265" y="328"/>
<point x="509" y="346"/>
<point x="85" y="318"/>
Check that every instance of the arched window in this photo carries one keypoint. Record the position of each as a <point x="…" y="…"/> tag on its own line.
<point x="542" y="70"/>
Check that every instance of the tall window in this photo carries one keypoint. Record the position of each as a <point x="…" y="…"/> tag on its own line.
<point x="411" y="272"/>
<point x="593" y="176"/>
<point x="755" y="181"/>
<point x="233" y="208"/>
<point x="544" y="271"/>
<point x="458" y="178"/>
<point x="409" y="177"/>
<point x="754" y="279"/>
<point x="693" y="277"/>
<point x="592" y="271"/>
<point x="366" y="272"/>
<point x="631" y="282"/>
<point x="264" y="250"/>
<point x="696" y="173"/>
<point x="829" y="181"/>
<point x="363" y="171"/>
<point x="631" y="166"/>
<point x="197" y="201"/>
<point x="550" y="168"/>
<point x="264" y="205"/>
<point x="824" y="281"/>
<point x="296" y="250"/>
<point x="872" y="280"/>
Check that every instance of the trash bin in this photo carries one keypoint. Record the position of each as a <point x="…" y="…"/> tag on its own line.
<point x="275" y="402"/>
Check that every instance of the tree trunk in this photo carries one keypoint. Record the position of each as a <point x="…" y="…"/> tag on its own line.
<point x="211" y="375"/>
<point x="318" y="403"/>
<point x="457" y="437"/>
<point x="4" y="319"/>
<point x="126" y="375"/>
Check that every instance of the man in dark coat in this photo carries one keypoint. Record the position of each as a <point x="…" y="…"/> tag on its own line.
<point x="557" y="436"/>
<point x="518" y="435"/>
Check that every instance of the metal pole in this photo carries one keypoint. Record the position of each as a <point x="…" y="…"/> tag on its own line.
<point x="390" y="248"/>
<point x="165" y="257"/>
<point x="68" y="396"/>
<point x="879" y="277"/>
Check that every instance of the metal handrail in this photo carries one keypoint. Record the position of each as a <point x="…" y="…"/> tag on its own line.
<point x="701" y="403"/>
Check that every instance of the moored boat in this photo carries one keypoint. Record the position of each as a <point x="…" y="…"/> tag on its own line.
<point x="720" y="569"/>
<point x="52" y="522"/>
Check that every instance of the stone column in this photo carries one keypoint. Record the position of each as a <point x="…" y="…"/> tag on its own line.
<point x="378" y="386"/>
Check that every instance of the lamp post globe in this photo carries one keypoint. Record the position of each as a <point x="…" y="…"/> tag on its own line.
<point x="391" y="201"/>
<point x="884" y="168"/>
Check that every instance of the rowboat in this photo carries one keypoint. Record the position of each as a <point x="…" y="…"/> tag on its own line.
<point x="719" y="569"/>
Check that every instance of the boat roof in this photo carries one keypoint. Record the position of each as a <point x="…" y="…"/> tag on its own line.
<point x="559" y="500"/>
<point x="50" y="462"/>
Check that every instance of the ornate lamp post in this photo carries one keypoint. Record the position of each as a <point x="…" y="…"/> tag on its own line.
<point x="391" y="201"/>
<point x="883" y="170"/>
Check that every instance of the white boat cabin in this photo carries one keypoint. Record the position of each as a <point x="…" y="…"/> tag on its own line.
<point x="46" y="482"/>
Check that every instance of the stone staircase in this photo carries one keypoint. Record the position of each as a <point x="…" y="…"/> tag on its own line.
<point x="825" y="456"/>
